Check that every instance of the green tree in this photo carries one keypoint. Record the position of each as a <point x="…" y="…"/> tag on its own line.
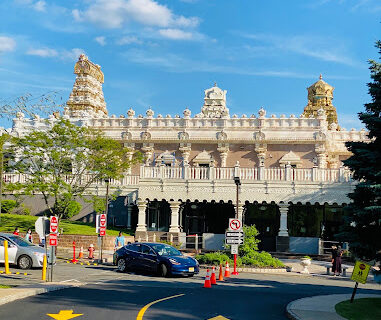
<point x="363" y="215"/>
<point x="62" y="163"/>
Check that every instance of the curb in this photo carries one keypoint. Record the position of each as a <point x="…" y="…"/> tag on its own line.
<point x="289" y="313"/>
<point x="28" y="292"/>
<point x="252" y="270"/>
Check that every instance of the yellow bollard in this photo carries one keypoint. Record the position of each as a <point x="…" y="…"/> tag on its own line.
<point x="6" y="260"/>
<point x="44" y="268"/>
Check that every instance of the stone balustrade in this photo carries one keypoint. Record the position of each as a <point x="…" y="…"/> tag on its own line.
<point x="216" y="173"/>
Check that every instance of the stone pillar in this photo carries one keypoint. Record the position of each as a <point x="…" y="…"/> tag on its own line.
<point x="283" y="231"/>
<point x="175" y="207"/>
<point x="129" y="158"/>
<point x="224" y="156"/>
<point x="283" y="239"/>
<point x="142" y="225"/>
<point x="322" y="160"/>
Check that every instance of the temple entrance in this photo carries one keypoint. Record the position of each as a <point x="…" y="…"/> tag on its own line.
<point x="158" y="215"/>
<point x="206" y="217"/>
<point x="266" y="218"/>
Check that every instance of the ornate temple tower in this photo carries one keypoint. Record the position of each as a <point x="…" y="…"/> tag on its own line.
<point x="215" y="103"/>
<point x="86" y="98"/>
<point x="320" y="96"/>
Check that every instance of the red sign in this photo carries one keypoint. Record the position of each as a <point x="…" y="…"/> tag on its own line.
<point x="235" y="224"/>
<point x="53" y="239"/>
<point x="102" y="231"/>
<point x="103" y="220"/>
<point x="53" y="224"/>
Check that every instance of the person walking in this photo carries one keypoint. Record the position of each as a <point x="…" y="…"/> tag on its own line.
<point x="336" y="260"/>
<point x="119" y="241"/>
<point x="28" y="235"/>
<point x="16" y="232"/>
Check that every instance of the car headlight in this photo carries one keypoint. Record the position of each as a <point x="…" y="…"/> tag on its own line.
<point x="39" y="255"/>
<point x="173" y="261"/>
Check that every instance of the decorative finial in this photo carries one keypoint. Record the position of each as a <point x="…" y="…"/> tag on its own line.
<point x="215" y="83"/>
<point x="321" y="77"/>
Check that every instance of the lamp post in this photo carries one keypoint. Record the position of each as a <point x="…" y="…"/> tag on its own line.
<point x="237" y="182"/>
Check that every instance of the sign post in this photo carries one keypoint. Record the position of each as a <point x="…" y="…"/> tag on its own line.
<point x="359" y="274"/>
<point x="53" y="242"/>
<point x="234" y="237"/>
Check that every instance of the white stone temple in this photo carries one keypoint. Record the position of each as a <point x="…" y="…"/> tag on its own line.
<point x="293" y="182"/>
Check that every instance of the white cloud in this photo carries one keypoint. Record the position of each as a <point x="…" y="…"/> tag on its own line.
<point x="72" y="54"/>
<point x="39" y="6"/>
<point x="115" y="13"/>
<point x="128" y="40"/>
<point x="42" y="52"/>
<point x="176" y="34"/>
<point x="7" y="44"/>
<point x="325" y="49"/>
<point x="101" y="40"/>
<point x="64" y="54"/>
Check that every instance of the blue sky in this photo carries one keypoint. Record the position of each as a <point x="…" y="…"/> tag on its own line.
<point x="164" y="53"/>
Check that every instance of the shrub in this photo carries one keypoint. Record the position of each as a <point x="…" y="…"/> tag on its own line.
<point x="251" y="242"/>
<point x="8" y="205"/>
<point x="261" y="259"/>
<point x="214" y="258"/>
<point x="73" y="209"/>
<point x="23" y="210"/>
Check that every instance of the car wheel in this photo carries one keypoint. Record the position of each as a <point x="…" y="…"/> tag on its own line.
<point x="24" y="262"/>
<point x="122" y="265"/>
<point x="163" y="270"/>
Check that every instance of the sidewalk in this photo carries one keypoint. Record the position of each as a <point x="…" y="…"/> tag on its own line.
<point x="19" y="292"/>
<point x="320" y="307"/>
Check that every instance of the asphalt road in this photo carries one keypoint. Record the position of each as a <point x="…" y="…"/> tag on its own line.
<point x="109" y="295"/>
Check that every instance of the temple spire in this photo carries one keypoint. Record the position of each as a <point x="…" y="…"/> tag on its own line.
<point x="86" y="98"/>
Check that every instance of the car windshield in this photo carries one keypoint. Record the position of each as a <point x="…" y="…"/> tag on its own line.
<point x="20" y="241"/>
<point x="165" y="250"/>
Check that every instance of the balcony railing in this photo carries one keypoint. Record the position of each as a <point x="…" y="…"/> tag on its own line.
<point x="254" y="174"/>
<point x="200" y="173"/>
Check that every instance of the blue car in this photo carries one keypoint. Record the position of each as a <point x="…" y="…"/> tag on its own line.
<point x="158" y="258"/>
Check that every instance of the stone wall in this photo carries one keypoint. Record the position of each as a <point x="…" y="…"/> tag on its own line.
<point x="66" y="241"/>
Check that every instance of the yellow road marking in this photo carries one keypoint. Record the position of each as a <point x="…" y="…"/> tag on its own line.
<point x="144" y="309"/>
<point x="64" y="315"/>
<point x="219" y="318"/>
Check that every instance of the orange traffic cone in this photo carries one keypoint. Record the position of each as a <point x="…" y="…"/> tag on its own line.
<point x="80" y="255"/>
<point x="213" y="277"/>
<point x="220" y="277"/>
<point x="227" y="270"/>
<point x="207" y="283"/>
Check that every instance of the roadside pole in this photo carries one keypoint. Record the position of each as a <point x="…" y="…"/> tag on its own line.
<point x="44" y="263"/>
<point x="53" y="242"/>
<point x="237" y="182"/>
<point x="359" y="274"/>
<point x="6" y="260"/>
<point x="103" y="232"/>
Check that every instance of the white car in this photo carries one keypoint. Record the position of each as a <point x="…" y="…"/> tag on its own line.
<point x="21" y="252"/>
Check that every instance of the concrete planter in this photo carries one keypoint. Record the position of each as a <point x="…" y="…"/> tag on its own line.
<point x="305" y="262"/>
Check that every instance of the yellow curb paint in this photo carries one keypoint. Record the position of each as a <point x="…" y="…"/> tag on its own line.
<point x="17" y="272"/>
<point x="144" y="309"/>
<point x="95" y="264"/>
<point x="25" y="274"/>
<point x="88" y="264"/>
<point x="81" y="263"/>
<point x="67" y="261"/>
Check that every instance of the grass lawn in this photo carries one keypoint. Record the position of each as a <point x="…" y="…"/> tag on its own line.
<point x="3" y="286"/>
<point x="360" y="309"/>
<point x="8" y="222"/>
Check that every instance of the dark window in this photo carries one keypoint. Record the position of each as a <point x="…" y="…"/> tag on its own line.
<point x="146" y="249"/>
<point x="134" y="247"/>
<point x="204" y="165"/>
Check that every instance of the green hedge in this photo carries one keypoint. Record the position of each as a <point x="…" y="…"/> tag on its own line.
<point x="248" y="254"/>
